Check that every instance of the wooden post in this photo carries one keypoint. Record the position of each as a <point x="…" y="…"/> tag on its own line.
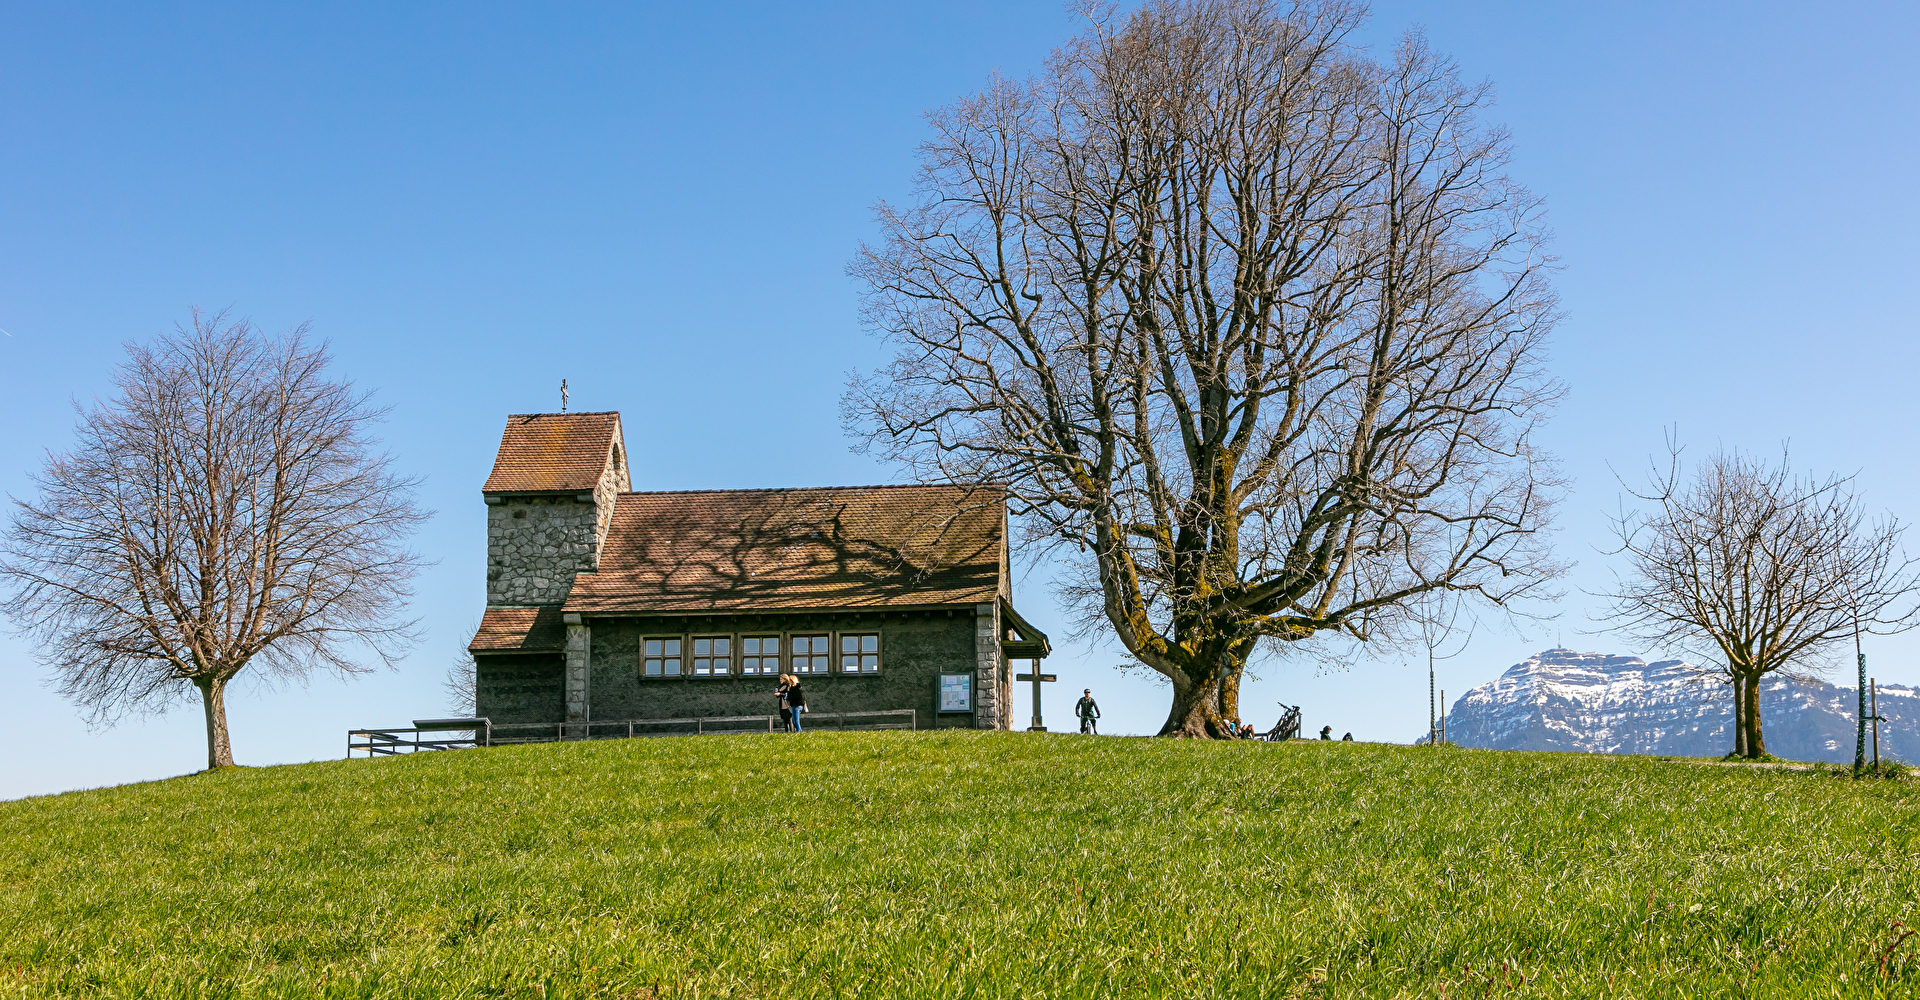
<point x="1874" y="686"/>
<point x="1443" y="718"/>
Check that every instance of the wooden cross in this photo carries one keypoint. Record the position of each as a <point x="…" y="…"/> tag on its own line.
<point x="1038" y="679"/>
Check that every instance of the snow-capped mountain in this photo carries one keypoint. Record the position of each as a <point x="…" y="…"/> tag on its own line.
<point x="1599" y="703"/>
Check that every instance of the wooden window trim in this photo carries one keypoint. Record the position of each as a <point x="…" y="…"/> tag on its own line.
<point x="737" y="654"/>
<point x="641" y="660"/>
<point x="879" y="653"/>
<point x="786" y="652"/>
<point x="779" y="653"/>
<point x="733" y="655"/>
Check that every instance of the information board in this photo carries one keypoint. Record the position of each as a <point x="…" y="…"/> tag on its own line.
<point x="956" y="692"/>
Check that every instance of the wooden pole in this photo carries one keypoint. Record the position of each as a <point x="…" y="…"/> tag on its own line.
<point x="1874" y="685"/>
<point x="1443" y="718"/>
<point x="1039" y="724"/>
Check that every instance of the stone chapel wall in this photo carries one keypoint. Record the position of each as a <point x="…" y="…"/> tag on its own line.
<point x="535" y="547"/>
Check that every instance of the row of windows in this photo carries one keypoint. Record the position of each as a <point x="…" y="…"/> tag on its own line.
<point x="667" y="656"/>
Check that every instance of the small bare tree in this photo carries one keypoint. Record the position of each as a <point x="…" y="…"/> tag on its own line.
<point x="1437" y="620"/>
<point x="1251" y="321"/>
<point x="1755" y="570"/>
<point x="226" y="509"/>
<point x="461" y="685"/>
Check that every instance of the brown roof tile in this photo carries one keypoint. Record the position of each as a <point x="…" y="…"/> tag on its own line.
<point x="519" y="630"/>
<point x="744" y="550"/>
<point x="552" y="452"/>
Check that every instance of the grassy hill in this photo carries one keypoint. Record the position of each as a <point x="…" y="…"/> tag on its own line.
<point x="966" y="865"/>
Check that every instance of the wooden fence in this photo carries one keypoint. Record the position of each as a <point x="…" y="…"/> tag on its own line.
<point x="439" y="734"/>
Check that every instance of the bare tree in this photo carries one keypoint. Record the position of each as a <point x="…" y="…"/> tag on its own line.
<point x="225" y="509"/>
<point x="461" y="685"/>
<point x="1252" y="323"/>
<point x="1437" y="621"/>
<point x="1755" y="570"/>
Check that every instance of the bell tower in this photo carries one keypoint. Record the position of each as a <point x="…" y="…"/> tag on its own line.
<point x="549" y="501"/>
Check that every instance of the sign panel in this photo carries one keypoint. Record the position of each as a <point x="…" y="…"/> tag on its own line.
<point x="956" y="692"/>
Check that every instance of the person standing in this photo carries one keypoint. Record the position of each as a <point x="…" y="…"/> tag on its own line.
<point x="796" y="700"/>
<point x="780" y="694"/>
<point x="1089" y="712"/>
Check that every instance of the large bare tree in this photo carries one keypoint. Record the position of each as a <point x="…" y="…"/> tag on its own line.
<point x="1754" y="570"/>
<point x="1252" y="322"/>
<point x="226" y="509"/>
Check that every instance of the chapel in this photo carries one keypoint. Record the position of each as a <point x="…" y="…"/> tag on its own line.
<point x="605" y="604"/>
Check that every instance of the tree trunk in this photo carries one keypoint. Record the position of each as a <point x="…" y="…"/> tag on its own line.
<point x="213" y="694"/>
<point x="1739" y="716"/>
<point x="1196" y="713"/>
<point x="1756" y="743"/>
<point x="1230" y="695"/>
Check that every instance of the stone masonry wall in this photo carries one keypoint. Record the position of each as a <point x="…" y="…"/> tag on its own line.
<point x="916" y="648"/>
<point x="519" y="688"/>
<point x="613" y="482"/>
<point x="535" y="546"/>
<point x="989" y="713"/>
<point x="579" y="671"/>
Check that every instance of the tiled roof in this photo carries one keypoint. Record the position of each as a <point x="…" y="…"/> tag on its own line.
<point x="519" y="630"/>
<point x="552" y="452"/>
<point x="839" y="547"/>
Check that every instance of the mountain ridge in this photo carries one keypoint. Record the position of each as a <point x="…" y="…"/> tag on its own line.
<point x="1590" y="702"/>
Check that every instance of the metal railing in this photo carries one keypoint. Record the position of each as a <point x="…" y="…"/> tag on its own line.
<point x="387" y="742"/>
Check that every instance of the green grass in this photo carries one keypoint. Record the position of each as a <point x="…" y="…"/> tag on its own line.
<point x="966" y="865"/>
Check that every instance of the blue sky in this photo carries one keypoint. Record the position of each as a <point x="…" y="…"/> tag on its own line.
<point x="658" y="203"/>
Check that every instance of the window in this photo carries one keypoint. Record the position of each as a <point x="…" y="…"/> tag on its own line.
<point x="859" y="653"/>
<point x="760" y="655"/>
<point x="811" y="654"/>
<point x="712" y="656"/>
<point x="660" y="657"/>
